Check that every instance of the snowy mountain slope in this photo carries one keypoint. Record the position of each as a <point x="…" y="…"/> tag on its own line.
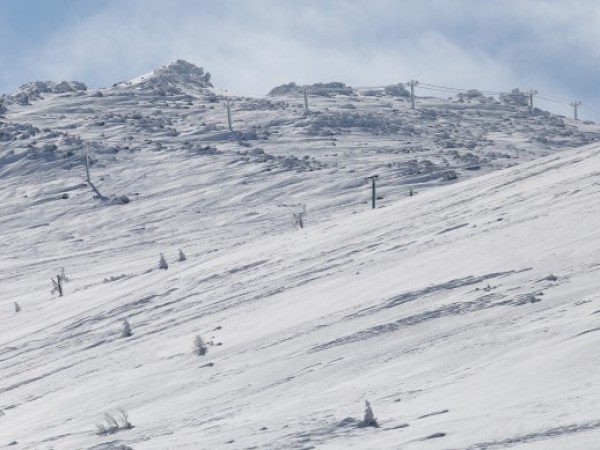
<point x="468" y="312"/>
<point x="175" y="108"/>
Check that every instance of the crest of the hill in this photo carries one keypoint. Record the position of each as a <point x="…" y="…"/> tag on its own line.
<point x="35" y="90"/>
<point x="326" y="128"/>
<point x="172" y="78"/>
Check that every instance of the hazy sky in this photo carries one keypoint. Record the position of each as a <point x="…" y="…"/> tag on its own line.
<point x="250" y="46"/>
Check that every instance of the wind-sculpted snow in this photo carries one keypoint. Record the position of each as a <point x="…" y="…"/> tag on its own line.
<point x="483" y="302"/>
<point x="542" y="435"/>
<point x="463" y="308"/>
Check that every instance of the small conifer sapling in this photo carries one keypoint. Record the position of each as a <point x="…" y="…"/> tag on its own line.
<point x="369" y="420"/>
<point x="57" y="285"/>
<point x="200" y="348"/>
<point x="126" y="332"/>
<point x="162" y="263"/>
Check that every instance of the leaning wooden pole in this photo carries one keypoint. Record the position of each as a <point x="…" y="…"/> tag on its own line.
<point x="59" y="285"/>
<point x="229" y="116"/>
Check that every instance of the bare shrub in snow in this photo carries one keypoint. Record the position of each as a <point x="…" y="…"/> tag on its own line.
<point x="126" y="331"/>
<point x="285" y="89"/>
<point x="119" y="200"/>
<point x="369" y="419"/>
<point x="117" y="277"/>
<point x="299" y="216"/>
<point x="62" y="275"/>
<point x="108" y="426"/>
<point x="449" y="175"/>
<point x="396" y="90"/>
<point x="123" y="418"/>
<point x="162" y="263"/>
<point x="112" y="423"/>
<point x="57" y="286"/>
<point x="200" y="347"/>
<point x="329" y="89"/>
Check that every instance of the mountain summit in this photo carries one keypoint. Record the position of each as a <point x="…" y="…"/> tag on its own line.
<point x="173" y="77"/>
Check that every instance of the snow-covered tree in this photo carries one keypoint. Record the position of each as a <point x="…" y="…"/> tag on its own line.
<point x="162" y="263"/>
<point x="299" y="216"/>
<point x="200" y="347"/>
<point x="181" y="255"/>
<point x="126" y="332"/>
<point x="369" y="419"/>
<point x="397" y="90"/>
<point x="113" y="423"/>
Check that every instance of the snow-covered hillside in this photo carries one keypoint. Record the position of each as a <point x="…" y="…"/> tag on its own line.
<point x="467" y="314"/>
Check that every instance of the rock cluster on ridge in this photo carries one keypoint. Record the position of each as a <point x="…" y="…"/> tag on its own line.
<point x="35" y="90"/>
<point x="320" y="89"/>
<point x="170" y="79"/>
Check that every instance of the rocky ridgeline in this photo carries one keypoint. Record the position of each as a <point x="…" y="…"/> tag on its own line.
<point x="35" y="91"/>
<point x="175" y="108"/>
<point x="173" y="78"/>
<point x="334" y="88"/>
<point x="320" y="89"/>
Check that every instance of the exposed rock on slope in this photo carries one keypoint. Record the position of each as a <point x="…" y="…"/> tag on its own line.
<point x="34" y="90"/>
<point x="320" y="89"/>
<point x="172" y="78"/>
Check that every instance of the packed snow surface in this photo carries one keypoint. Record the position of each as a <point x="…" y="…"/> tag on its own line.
<point x="467" y="314"/>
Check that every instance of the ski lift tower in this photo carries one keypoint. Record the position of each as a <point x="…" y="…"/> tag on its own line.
<point x="373" y="179"/>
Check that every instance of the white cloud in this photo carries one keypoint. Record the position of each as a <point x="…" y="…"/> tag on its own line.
<point x="252" y="46"/>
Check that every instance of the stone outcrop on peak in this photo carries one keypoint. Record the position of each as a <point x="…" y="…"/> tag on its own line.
<point x="172" y="78"/>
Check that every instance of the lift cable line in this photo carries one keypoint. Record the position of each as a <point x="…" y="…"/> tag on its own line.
<point x="435" y="87"/>
<point x="529" y="94"/>
<point x="541" y="95"/>
<point x="592" y="110"/>
<point x="445" y="88"/>
<point x="454" y="89"/>
<point x="560" y="99"/>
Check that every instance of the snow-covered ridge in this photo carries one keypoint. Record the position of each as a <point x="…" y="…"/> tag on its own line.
<point x="172" y="108"/>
